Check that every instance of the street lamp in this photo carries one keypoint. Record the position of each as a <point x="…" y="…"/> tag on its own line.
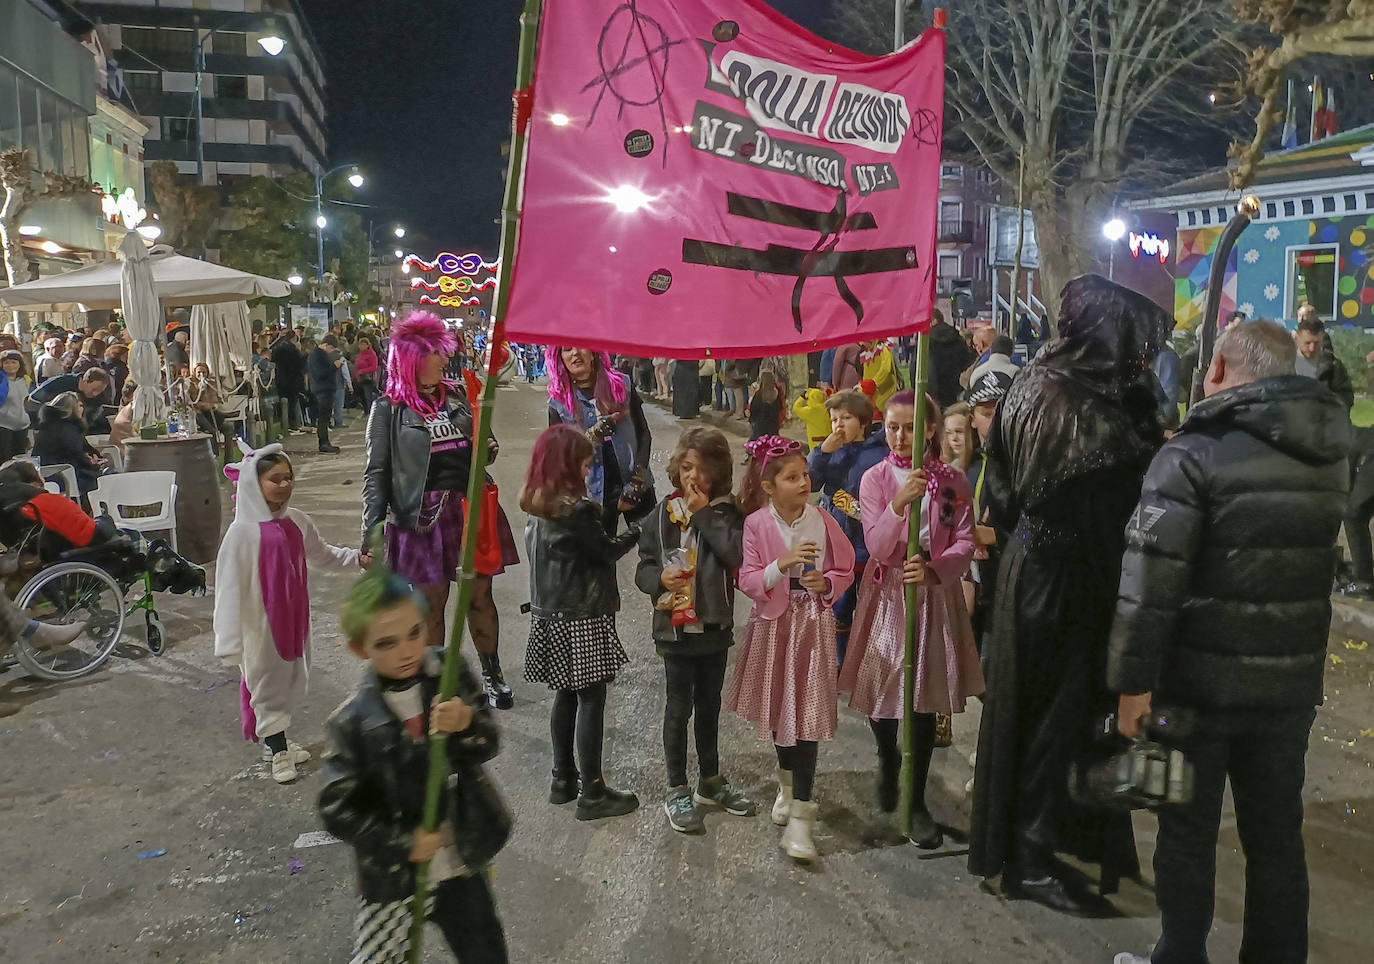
<point x="356" y="179"/>
<point x="1115" y="229"/>
<point x="271" y="43"/>
<point x="399" y="254"/>
<point x="400" y="232"/>
<point x="294" y="279"/>
<point x="29" y="230"/>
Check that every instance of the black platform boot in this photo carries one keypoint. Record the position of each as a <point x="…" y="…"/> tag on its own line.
<point x="499" y="693"/>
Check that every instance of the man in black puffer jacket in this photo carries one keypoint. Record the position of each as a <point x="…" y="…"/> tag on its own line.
<point x="1224" y="611"/>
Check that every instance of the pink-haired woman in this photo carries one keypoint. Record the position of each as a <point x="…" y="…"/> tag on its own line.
<point x="586" y="392"/>
<point x="419" y="458"/>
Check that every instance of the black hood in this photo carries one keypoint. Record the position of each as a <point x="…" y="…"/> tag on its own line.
<point x="1295" y="414"/>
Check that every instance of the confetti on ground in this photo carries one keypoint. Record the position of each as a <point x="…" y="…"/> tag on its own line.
<point x="1359" y="647"/>
<point x="152" y="854"/>
<point x="1336" y="660"/>
<point x="315" y="838"/>
<point x="294" y="866"/>
<point x="1368" y="734"/>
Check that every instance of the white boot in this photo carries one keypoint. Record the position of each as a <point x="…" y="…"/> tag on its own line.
<point x="784" y="801"/>
<point x="796" y="839"/>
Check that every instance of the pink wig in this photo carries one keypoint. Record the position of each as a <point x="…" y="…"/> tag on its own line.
<point x="611" y="389"/>
<point x="413" y="339"/>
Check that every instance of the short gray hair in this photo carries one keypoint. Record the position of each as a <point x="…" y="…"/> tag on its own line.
<point x="1259" y="349"/>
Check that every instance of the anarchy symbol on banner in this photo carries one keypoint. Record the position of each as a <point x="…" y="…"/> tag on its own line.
<point x="633" y="53"/>
<point x="925" y="127"/>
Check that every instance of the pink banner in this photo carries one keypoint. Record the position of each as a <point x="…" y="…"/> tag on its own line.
<point x="704" y="176"/>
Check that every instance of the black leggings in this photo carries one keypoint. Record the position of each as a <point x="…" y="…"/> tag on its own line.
<point x="800" y="760"/>
<point x="693" y="683"/>
<point x="276" y="742"/>
<point x="578" y="718"/>
<point x="886" y="733"/>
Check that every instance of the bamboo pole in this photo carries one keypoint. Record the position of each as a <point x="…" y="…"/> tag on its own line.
<point x="913" y="549"/>
<point x="438" y="761"/>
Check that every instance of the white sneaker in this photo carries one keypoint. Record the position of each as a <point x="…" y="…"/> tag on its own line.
<point x="283" y="766"/>
<point x="783" y="803"/>
<point x="1126" y="957"/>
<point x="53" y="635"/>
<point x="796" y="839"/>
<point x="299" y="754"/>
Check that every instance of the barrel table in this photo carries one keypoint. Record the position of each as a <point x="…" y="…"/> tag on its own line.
<point x="198" y="477"/>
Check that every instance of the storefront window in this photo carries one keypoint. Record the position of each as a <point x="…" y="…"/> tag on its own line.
<point x="9" y="108"/>
<point x="1312" y="279"/>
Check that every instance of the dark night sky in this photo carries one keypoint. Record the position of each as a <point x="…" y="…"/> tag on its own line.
<point x="419" y="97"/>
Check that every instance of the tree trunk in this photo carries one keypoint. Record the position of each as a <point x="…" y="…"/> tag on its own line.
<point x="16" y="200"/>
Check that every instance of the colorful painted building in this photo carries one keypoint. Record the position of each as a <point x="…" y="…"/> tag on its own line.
<point x="1313" y="241"/>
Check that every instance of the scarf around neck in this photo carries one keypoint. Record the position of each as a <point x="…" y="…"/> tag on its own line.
<point x="937" y="472"/>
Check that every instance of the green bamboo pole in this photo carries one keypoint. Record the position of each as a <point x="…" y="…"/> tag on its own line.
<point x="438" y="761"/>
<point x="913" y="547"/>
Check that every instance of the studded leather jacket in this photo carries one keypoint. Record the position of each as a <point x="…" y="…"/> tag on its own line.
<point x="375" y="777"/>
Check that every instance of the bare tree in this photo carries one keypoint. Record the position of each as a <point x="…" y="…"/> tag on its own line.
<point x="1303" y="28"/>
<point x="187" y="212"/>
<point x="1061" y="85"/>
<point x="17" y="179"/>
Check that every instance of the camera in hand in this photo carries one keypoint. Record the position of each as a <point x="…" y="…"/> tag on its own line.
<point x="1143" y="774"/>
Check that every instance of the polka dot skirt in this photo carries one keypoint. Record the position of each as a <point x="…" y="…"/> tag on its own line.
<point x="569" y="654"/>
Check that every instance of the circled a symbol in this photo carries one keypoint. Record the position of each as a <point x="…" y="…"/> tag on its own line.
<point x="925" y="127"/>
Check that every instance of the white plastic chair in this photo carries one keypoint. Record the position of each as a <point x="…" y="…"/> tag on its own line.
<point x="126" y="490"/>
<point x="101" y="443"/>
<point x="51" y="471"/>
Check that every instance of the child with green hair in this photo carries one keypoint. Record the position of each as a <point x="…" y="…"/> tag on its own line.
<point x="376" y="772"/>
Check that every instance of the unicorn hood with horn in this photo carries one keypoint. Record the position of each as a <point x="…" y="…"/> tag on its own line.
<point x="262" y="595"/>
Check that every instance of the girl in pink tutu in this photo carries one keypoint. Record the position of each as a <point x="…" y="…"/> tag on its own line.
<point x="797" y="562"/>
<point x="947" y="670"/>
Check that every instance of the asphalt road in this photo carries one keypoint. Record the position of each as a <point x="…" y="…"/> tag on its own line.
<point x="146" y="756"/>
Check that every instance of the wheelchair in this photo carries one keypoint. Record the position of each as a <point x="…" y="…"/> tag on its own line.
<point x="101" y="585"/>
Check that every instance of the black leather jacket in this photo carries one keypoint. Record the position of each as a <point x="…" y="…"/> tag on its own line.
<point x="720" y="551"/>
<point x="375" y="776"/>
<point x="397" y="460"/>
<point x="1226" y="583"/>
<point x="572" y="563"/>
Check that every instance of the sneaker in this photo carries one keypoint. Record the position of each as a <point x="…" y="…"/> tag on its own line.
<point x="717" y="792"/>
<point x="925" y="832"/>
<point x="563" y="789"/>
<point x="598" y="801"/>
<point x="329" y="450"/>
<point x="283" y="766"/>
<point x="1126" y="957"/>
<point x="52" y="635"/>
<point x="299" y="754"/>
<point x="682" y="816"/>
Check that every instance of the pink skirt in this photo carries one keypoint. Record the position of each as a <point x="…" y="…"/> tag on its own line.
<point x="947" y="667"/>
<point x="785" y="673"/>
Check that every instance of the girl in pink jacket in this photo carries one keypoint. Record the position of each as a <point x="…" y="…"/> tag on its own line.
<point x="946" y="666"/>
<point x="797" y="562"/>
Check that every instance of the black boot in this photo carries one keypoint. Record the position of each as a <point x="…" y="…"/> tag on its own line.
<point x="925" y="832"/>
<point x="563" y="789"/>
<point x="499" y="693"/>
<point x="598" y="800"/>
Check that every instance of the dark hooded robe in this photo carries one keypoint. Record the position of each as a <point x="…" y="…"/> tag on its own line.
<point x="1071" y="443"/>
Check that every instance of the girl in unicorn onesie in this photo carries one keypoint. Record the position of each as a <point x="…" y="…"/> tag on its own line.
<point x="262" y="600"/>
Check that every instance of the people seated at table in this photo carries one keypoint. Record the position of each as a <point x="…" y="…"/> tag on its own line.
<point x="61" y="439"/>
<point x="122" y="427"/>
<point x="90" y="386"/>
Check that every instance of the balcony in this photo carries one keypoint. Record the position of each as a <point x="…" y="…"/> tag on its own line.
<point x="955" y="232"/>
